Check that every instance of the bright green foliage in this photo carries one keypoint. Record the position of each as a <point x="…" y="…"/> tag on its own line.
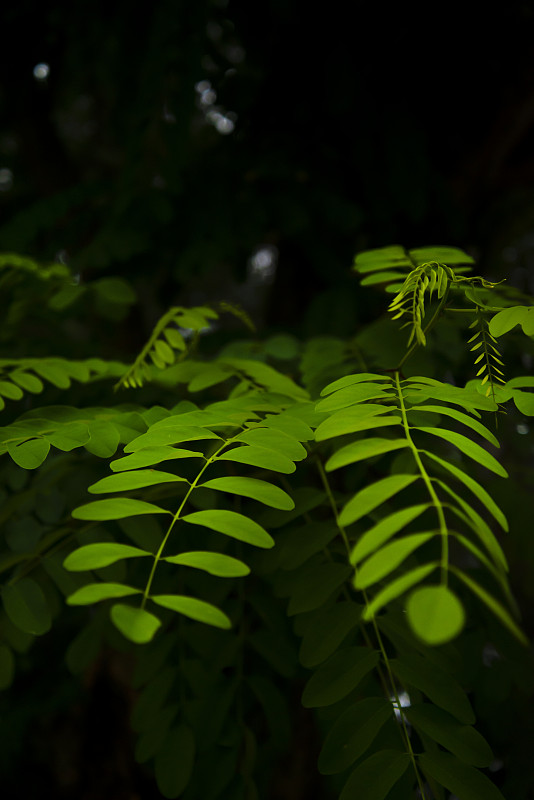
<point x="337" y="531"/>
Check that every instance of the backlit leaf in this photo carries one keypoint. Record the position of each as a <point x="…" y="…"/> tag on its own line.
<point x="397" y="588"/>
<point x="494" y="605"/>
<point x="136" y="624"/>
<point x="388" y="558"/>
<point x="384" y="529"/>
<point x="372" y="496"/>
<point x="232" y="524"/>
<point x="364" y="448"/>
<point x="116" y="508"/>
<point x="96" y="592"/>
<point x="470" y="448"/>
<point x="138" y="479"/>
<point x="194" y="609"/>
<point x="96" y="556"/>
<point x="30" y="454"/>
<point x="215" y="563"/>
<point x="255" y="489"/>
<point x="149" y="456"/>
<point x="259" y="457"/>
<point x="435" y="614"/>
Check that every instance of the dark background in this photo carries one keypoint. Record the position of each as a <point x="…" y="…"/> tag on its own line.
<point x="244" y="152"/>
<point x="354" y="126"/>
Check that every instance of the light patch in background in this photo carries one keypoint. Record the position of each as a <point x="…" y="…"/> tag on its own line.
<point x="41" y="71"/>
<point x="262" y="264"/>
<point x="522" y="428"/>
<point x="404" y="702"/>
<point x="6" y="179"/>
<point x="223" y="121"/>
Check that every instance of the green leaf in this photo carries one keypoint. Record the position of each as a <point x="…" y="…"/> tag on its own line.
<point x="104" y="439"/>
<point x="28" y="381"/>
<point x="470" y="448"/>
<point x="136" y="624"/>
<point x="353" y="733"/>
<point x="10" y="390"/>
<point x="497" y="608"/>
<point x="508" y="318"/>
<point x="52" y="372"/>
<point x="465" y="419"/>
<point x="299" y="544"/>
<point x="350" y="380"/>
<point x="96" y="556"/>
<point x="96" y="592"/>
<point x="259" y="457"/>
<point x="116" y="508"/>
<point x="174" y="762"/>
<point x="215" y="563"/>
<point x="462" y="740"/>
<point x="366" y="422"/>
<point x="374" y="777"/>
<point x="7" y="667"/>
<point x="26" y="606"/>
<point x="362" y="449"/>
<point x="30" y="454"/>
<point x="524" y="402"/>
<point x="194" y="609"/>
<point x="388" y="558"/>
<point x="478" y="525"/>
<point x="255" y="489"/>
<point x="138" y="479"/>
<point x="168" y="436"/>
<point x="326" y="630"/>
<point x="397" y="588"/>
<point x="210" y="376"/>
<point x="294" y="427"/>
<point x="315" y="584"/>
<point x="69" y="436"/>
<point x="232" y="524"/>
<point x="273" y="440"/>
<point x="384" y="530"/>
<point x="339" y="676"/>
<point x="355" y="393"/>
<point x="435" y="614"/>
<point x="150" y="456"/>
<point x="485" y="498"/>
<point x="462" y="780"/>
<point x="369" y="498"/>
<point x="443" y="255"/>
<point x="439" y="686"/>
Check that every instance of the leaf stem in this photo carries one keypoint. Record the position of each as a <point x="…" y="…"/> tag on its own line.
<point x="436" y="502"/>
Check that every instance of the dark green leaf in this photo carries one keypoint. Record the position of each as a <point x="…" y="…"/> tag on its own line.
<point x="464" y="781"/>
<point x="462" y="740"/>
<point x="374" y="777"/>
<point x="174" y="762"/>
<point x="439" y="686"/>
<point x="326" y="630"/>
<point x="353" y="733"/>
<point x="7" y="667"/>
<point x="26" y="606"/>
<point x="339" y="676"/>
<point x="315" y="584"/>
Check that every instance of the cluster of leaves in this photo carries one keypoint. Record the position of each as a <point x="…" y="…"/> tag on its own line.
<point x="341" y="524"/>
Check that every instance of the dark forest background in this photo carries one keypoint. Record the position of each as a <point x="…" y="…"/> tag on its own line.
<point x="224" y="150"/>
